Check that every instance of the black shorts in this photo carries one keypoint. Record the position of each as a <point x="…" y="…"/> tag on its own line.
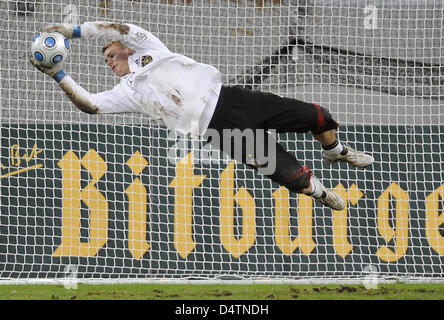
<point x="240" y="108"/>
<point x="246" y="109"/>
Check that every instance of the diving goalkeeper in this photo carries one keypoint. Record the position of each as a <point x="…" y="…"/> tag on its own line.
<point x="180" y="92"/>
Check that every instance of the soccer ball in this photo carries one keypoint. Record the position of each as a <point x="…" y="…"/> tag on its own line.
<point x="50" y="48"/>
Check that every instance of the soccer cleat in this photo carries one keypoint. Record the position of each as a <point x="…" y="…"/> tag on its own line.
<point x="332" y="200"/>
<point x="328" y="197"/>
<point x="356" y="158"/>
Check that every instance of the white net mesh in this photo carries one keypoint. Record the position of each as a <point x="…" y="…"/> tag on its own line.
<point x="109" y="196"/>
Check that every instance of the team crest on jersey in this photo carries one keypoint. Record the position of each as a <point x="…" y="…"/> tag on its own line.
<point x="146" y="60"/>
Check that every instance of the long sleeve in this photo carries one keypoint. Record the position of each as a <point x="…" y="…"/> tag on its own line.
<point x="79" y="96"/>
<point x="109" y="101"/>
<point x="130" y="35"/>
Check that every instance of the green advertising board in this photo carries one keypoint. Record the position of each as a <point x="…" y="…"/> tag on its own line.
<point x="120" y="202"/>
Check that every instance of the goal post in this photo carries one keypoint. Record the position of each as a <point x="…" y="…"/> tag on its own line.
<point x="117" y="198"/>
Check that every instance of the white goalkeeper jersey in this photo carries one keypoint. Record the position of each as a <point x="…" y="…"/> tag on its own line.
<point x="168" y="87"/>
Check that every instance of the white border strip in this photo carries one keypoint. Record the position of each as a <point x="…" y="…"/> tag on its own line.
<point x="339" y="281"/>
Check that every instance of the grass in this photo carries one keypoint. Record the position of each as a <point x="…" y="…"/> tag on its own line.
<point x="223" y="292"/>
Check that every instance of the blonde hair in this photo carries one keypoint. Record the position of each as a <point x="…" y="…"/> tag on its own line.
<point x="111" y="43"/>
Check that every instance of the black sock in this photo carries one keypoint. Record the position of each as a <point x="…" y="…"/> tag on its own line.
<point x="333" y="145"/>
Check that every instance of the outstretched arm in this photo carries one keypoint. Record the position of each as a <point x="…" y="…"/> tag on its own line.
<point x="130" y="35"/>
<point x="81" y="98"/>
<point x="109" y="101"/>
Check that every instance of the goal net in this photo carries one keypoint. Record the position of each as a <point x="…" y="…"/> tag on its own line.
<point x="117" y="197"/>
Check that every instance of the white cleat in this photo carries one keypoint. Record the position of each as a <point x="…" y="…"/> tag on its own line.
<point x="332" y="200"/>
<point x="356" y="158"/>
<point x="329" y="198"/>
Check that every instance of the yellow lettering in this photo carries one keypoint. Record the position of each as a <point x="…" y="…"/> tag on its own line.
<point x="70" y="246"/>
<point x="227" y="197"/>
<point x="434" y="219"/>
<point x="15" y="155"/>
<point x="138" y="198"/>
<point x="402" y="223"/>
<point x="16" y="158"/>
<point x="304" y="240"/>
<point x="96" y="202"/>
<point x="34" y="153"/>
<point x="340" y="219"/>
<point x="183" y="185"/>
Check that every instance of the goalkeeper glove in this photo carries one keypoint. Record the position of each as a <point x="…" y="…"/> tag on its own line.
<point x="68" y="30"/>
<point x="55" y="72"/>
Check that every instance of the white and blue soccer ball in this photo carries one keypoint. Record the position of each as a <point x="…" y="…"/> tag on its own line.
<point x="50" y="48"/>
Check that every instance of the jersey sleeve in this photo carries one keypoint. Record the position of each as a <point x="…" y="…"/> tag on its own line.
<point x="130" y="35"/>
<point x="111" y="101"/>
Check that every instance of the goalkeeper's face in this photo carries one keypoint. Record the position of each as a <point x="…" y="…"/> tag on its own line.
<point x="116" y="57"/>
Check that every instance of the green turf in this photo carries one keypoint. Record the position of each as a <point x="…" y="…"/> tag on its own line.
<point x="222" y="292"/>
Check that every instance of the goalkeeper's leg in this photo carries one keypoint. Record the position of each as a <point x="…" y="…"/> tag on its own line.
<point x="299" y="179"/>
<point x="254" y="109"/>
<point x="287" y="171"/>
<point x="333" y="149"/>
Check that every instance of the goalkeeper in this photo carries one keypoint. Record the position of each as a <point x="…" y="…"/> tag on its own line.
<point x="181" y="92"/>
